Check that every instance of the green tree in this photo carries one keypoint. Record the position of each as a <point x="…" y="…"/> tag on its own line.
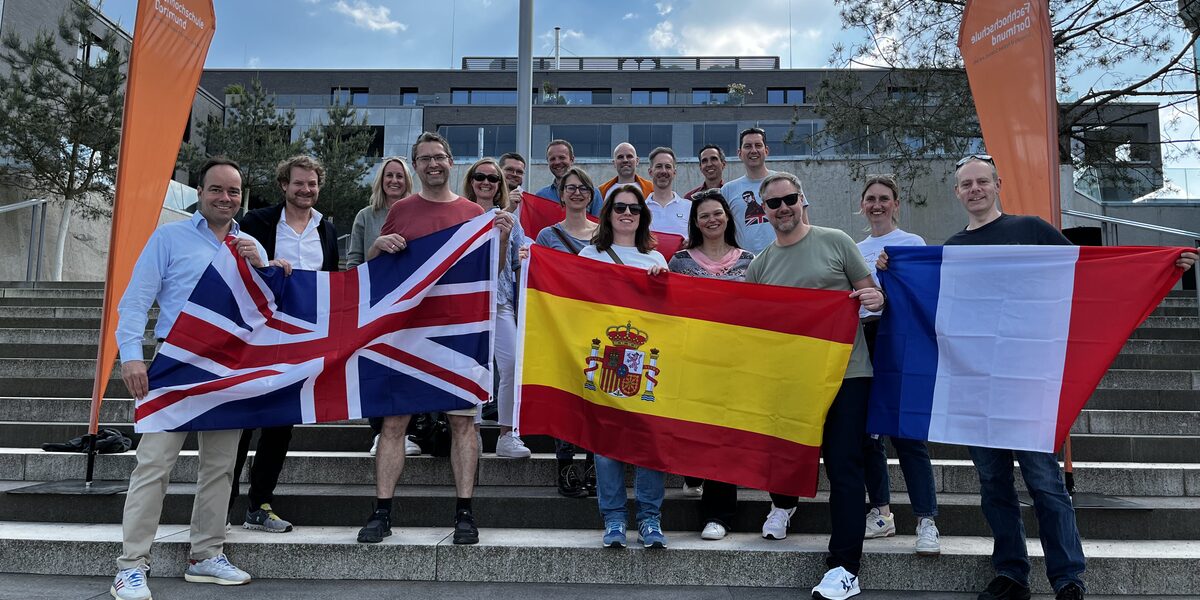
<point x="341" y="144"/>
<point x="60" y="118"/>
<point x="255" y="134"/>
<point x="918" y="106"/>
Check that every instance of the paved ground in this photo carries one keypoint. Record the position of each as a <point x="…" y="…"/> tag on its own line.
<point x="26" y="587"/>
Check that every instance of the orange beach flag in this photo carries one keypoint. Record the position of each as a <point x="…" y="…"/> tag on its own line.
<point x="701" y="377"/>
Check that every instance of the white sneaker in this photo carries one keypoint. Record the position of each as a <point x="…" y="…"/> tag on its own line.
<point x="879" y="525"/>
<point x="928" y="538"/>
<point x="775" y="527"/>
<point x="693" y="491"/>
<point x="215" y="570"/>
<point x="130" y="584"/>
<point x="411" y="448"/>
<point x="374" y="445"/>
<point x="713" y="531"/>
<point x="508" y="445"/>
<point x="837" y="584"/>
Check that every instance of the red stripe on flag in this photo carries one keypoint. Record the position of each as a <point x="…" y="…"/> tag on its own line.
<point x="1116" y="288"/>
<point x="148" y="408"/>
<point x="260" y="300"/>
<point x="445" y="265"/>
<point x="538" y="213"/>
<point x="683" y="447"/>
<point x="827" y="314"/>
<point x="423" y="365"/>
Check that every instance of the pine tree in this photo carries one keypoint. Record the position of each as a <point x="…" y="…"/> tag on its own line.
<point x="341" y="144"/>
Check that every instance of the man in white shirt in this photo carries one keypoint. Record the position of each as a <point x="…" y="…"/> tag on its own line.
<point x="294" y="234"/>
<point x="668" y="209"/>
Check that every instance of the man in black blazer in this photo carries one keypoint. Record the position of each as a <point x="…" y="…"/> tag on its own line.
<point x="294" y="234"/>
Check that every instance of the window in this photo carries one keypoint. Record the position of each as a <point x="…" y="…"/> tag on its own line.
<point x="354" y="96"/>
<point x="95" y="52"/>
<point x="790" y="140"/>
<point x="651" y="96"/>
<point x="724" y="135"/>
<point x="493" y="97"/>
<point x="710" y="96"/>
<point x="469" y="142"/>
<point x="648" y="137"/>
<point x="785" y="95"/>
<point x="408" y="96"/>
<point x="589" y="141"/>
<point x="596" y="96"/>
<point x="904" y="92"/>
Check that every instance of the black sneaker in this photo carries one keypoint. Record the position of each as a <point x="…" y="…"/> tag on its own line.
<point x="1004" y="588"/>
<point x="1071" y="592"/>
<point x="570" y="484"/>
<point x="465" y="531"/>
<point x="589" y="480"/>
<point x="378" y="527"/>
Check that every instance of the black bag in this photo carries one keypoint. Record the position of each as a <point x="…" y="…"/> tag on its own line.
<point x="108" y="441"/>
<point x="431" y="431"/>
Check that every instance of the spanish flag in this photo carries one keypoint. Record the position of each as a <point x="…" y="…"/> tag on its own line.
<point x="715" y="379"/>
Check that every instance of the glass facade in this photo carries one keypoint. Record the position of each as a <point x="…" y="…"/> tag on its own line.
<point x="710" y="96"/>
<point x="785" y="95"/>
<point x="472" y="142"/>
<point x="721" y="134"/>
<point x="648" y="137"/>
<point x="493" y="97"/>
<point x="589" y="141"/>
<point x="649" y="96"/>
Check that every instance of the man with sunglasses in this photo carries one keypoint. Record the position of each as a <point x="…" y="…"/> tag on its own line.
<point x="432" y="209"/>
<point x="753" y="230"/>
<point x="802" y="255"/>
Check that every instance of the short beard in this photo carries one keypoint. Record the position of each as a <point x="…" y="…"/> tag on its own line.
<point x="786" y="226"/>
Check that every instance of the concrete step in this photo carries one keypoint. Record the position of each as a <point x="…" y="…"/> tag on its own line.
<point x="355" y="468"/>
<point x="518" y="507"/>
<point x="97" y="302"/>
<point x="575" y="556"/>
<point x="1160" y="347"/>
<point x="1138" y="422"/>
<point x="1165" y="333"/>
<point x="1146" y="361"/>
<point x="1118" y="399"/>
<point x="53" y="285"/>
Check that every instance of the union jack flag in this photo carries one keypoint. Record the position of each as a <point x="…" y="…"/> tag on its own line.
<point x="404" y="333"/>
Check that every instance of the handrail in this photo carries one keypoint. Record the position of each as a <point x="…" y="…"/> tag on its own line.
<point x="23" y="204"/>
<point x="1140" y="225"/>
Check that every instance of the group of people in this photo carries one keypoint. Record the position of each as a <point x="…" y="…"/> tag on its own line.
<point x="754" y="228"/>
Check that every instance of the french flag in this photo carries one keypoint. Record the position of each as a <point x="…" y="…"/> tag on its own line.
<point x="1001" y="346"/>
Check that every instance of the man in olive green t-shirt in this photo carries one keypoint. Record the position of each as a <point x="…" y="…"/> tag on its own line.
<point x="822" y="258"/>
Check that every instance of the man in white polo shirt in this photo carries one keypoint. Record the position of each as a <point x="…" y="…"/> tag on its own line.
<point x="295" y="234"/>
<point x="670" y="211"/>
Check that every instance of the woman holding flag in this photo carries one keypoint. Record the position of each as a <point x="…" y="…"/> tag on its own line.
<point x="624" y="238"/>
<point x="712" y="251"/>
<point x="484" y="185"/>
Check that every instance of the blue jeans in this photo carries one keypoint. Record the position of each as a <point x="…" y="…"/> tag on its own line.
<point x="1055" y="514"/>
<point x="610" y="490"/>
<point x="918" y="474"/>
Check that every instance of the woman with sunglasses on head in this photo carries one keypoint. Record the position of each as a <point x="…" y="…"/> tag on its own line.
<point x="392" y="182"/>
<point x="484" y="185"/>
<point x="880" y="204"/>
<point x="712" y="251"/>
<point x="573" y="234"/>
<point x="624" y="238"/>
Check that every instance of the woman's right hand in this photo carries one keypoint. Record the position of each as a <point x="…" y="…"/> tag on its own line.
<point x="881" y="262"/>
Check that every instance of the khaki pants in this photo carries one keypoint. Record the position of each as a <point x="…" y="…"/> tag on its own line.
<point x="156" y="456"/>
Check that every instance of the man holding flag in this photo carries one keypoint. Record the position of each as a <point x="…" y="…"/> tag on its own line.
<point x="823" y="258"/>
<point x="977" y="186"/>
<point x="169" y="267"/>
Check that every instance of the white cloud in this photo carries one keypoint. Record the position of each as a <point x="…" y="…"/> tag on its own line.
<point x="369" y="16"/>
<point x="629" y="16"/>
<point x="663" y="8"/>
<point x="254" y="62"/>
<point x="311" y="1"/>
<point x="564" y="36"/>
<point x="663" y="37"/>
<point x="487" y="3"/>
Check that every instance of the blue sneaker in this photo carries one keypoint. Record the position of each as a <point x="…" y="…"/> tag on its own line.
<point x="614" y="535"/>
<point x="650" y="533"/>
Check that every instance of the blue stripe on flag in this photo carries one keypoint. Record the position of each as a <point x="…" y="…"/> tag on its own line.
<point x="388" y="271"/>
<point x="168" y="372"/>
<point x="470" y="344"/>
<point x="906" y="349"/>
<point x="279" y="407"/>
<point x="296" y="294"/>
<point x="384" y="392"/>
<point x="212" y="293"/>
<point x="468" y="269"/>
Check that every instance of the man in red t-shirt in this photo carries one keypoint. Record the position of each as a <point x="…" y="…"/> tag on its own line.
<point x="434" y="209"/>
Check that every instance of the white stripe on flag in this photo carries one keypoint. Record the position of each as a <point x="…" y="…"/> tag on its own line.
<point x="1002" y="342"/>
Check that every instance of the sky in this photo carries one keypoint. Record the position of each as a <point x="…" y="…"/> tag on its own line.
<point x="407" y="34"/>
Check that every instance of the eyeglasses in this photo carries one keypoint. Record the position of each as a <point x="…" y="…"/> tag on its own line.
<point x="707" y="194"/>
<point x="480" y="177"/>
<point x="970" y="157"/>
<point x="577" y="189"/>
<point x="790" y="200"/>
<point x="428" y="158"/>
<point x="621" y="207"/>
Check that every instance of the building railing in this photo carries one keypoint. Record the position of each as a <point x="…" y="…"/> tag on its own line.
<point x="37" y="234"/>
<point x="1109" y="226"/>
<point x="624" y="63"/>
<point x="561" y="98"/>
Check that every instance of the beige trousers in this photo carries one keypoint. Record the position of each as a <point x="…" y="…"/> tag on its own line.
<point x="156" y="456"/>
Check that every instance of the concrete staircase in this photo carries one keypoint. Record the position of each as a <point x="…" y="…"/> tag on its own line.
<point x="1138" y="441"/>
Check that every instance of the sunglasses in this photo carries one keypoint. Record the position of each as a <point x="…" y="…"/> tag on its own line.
<point x="970" y="157"/>
<point x="621" y="207"/>
<point x="485" y="177"/>
<point x="790" y="200"/>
